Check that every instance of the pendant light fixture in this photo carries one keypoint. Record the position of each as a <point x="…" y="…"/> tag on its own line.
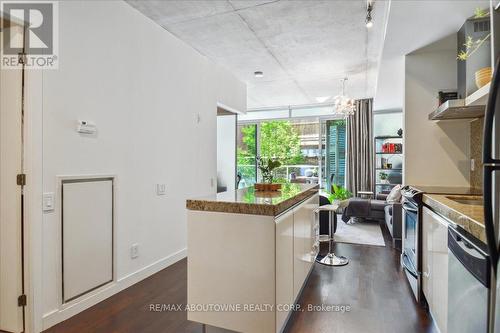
<point x="342" y="104"/>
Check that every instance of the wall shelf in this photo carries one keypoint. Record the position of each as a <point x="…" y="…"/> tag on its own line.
<point x="456" y="109"/>
<point x="479" y="97"/>
<point x="382" y="137"/>
<point x="394" y="175"/>
<point x="471" y="107"/>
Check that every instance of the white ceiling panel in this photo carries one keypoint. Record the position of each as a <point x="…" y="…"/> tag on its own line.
<point x="242" y="4"/>
<point x="227" y="49"/>
<point x="303" y="47"/>
<point x="173" y="12"/>
<point x="270" y="93"/>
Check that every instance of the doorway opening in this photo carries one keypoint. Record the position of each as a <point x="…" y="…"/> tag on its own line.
<point x="226" y="150"/>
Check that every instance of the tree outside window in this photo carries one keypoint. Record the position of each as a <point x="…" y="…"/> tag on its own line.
<point x="278" y="139"/>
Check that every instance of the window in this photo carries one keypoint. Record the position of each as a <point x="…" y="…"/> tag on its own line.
<point x="295" y="144"/>
<point x="309" y="142"/>
<point x="246" y="153"/>
<point x="335" y="152"/>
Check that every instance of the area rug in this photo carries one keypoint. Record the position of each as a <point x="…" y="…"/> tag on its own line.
<point x="366" y="233"/>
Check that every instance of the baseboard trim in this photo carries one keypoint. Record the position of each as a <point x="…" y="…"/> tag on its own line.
<point x="66" y="311"/>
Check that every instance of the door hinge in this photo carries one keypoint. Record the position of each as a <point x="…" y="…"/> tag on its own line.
<point x="22" y="58"/>
<point x="21" y="179"/>
<point x="21" y="300"/>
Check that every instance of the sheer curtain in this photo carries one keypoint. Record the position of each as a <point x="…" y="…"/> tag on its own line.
<point x="359" y="161"/>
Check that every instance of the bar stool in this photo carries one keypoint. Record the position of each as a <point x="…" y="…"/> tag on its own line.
<point x="331" y="259"/>
<point x="324" y="237"/>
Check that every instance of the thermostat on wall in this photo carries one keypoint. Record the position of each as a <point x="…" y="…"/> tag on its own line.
<point x="86" y="127"/>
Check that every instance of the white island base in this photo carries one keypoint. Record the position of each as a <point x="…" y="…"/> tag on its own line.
<point x="246" y="271"/>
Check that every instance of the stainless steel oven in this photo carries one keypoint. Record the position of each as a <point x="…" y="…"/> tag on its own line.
<point x="410" y="258"/>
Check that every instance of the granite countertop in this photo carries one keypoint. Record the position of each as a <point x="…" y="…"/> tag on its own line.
<point x="249" y="201"/>
<point x="470" y="217"/>
<point x="449" y="190"/>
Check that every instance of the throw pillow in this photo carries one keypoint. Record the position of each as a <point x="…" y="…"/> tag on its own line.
<point x="394" y="195"/>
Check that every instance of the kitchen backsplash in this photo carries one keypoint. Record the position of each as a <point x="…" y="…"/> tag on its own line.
<point x="476" y="147"/>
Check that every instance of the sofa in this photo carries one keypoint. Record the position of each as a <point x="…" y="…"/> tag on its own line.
<point x="390" y="213"/>
<point x="379" y="210"/>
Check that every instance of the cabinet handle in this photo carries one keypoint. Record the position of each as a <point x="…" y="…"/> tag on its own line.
<point x="427" y="274"/>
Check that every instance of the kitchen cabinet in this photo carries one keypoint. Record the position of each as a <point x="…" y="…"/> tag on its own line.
<point x="303" y="241"/>
<point x="427" y="227"/>
<point x="284" y="265"/>
<point x="435" y="266"/>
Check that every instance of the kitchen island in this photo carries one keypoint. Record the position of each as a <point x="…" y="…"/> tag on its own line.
<point x="249" y="255"/>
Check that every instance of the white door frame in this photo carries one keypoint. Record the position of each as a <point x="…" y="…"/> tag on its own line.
<point x="12" y="151"/>
<point x="33" y="214"/>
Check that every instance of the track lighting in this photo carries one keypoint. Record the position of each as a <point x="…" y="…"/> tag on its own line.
<point x="369" y="19"/>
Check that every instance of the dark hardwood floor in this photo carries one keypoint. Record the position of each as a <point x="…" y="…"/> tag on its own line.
<point x="372" y="284"/>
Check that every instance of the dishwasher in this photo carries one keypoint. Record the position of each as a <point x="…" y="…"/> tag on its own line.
<point x="468" y="282"/>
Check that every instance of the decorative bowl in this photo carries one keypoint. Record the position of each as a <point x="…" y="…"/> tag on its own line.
<point x="483" y="77"/>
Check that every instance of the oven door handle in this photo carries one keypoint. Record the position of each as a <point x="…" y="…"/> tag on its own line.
<point x="410" y="208"/>
<point x="406" y="265"/>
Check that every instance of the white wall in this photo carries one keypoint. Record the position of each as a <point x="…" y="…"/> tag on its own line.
<point x="387" y="123"/>
<point x="226" y="151"/>
<point x="389" y="94"/>
<point x="436" y="153"/>
<point x="145" y="90"/>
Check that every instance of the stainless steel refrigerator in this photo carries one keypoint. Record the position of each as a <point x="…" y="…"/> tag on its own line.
<point x="491" y="184"/>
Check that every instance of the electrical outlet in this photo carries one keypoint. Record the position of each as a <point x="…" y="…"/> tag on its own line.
<point x="134" y="251"/>
<point x="161" y="189"/>
<point x="212" y="182"/>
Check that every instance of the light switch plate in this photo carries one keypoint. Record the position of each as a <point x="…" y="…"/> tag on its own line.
<point x="472" y="164"/>
<point x="48" y="201"/>
<point x="161" y="189"/>
<point x="134" y="251"/>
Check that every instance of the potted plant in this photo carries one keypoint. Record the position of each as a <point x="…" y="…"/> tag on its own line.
<point x="384" y="178"/>
<point x="266" y="167"/>
<point x="470" y="46"/>
<point x="340" y="195"/>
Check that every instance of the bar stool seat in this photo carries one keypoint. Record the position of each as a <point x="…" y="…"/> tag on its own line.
<point x="324" y="219"/>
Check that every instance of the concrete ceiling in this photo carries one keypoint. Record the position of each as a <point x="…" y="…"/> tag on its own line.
<point x="304" y="48"/>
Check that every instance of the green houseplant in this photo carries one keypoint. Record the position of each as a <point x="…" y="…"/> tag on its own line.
<point x="384" y="177"/>
<point x="471" y="46"/>
<point x="266" y="167"/>
<point x="340" y="195"/>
